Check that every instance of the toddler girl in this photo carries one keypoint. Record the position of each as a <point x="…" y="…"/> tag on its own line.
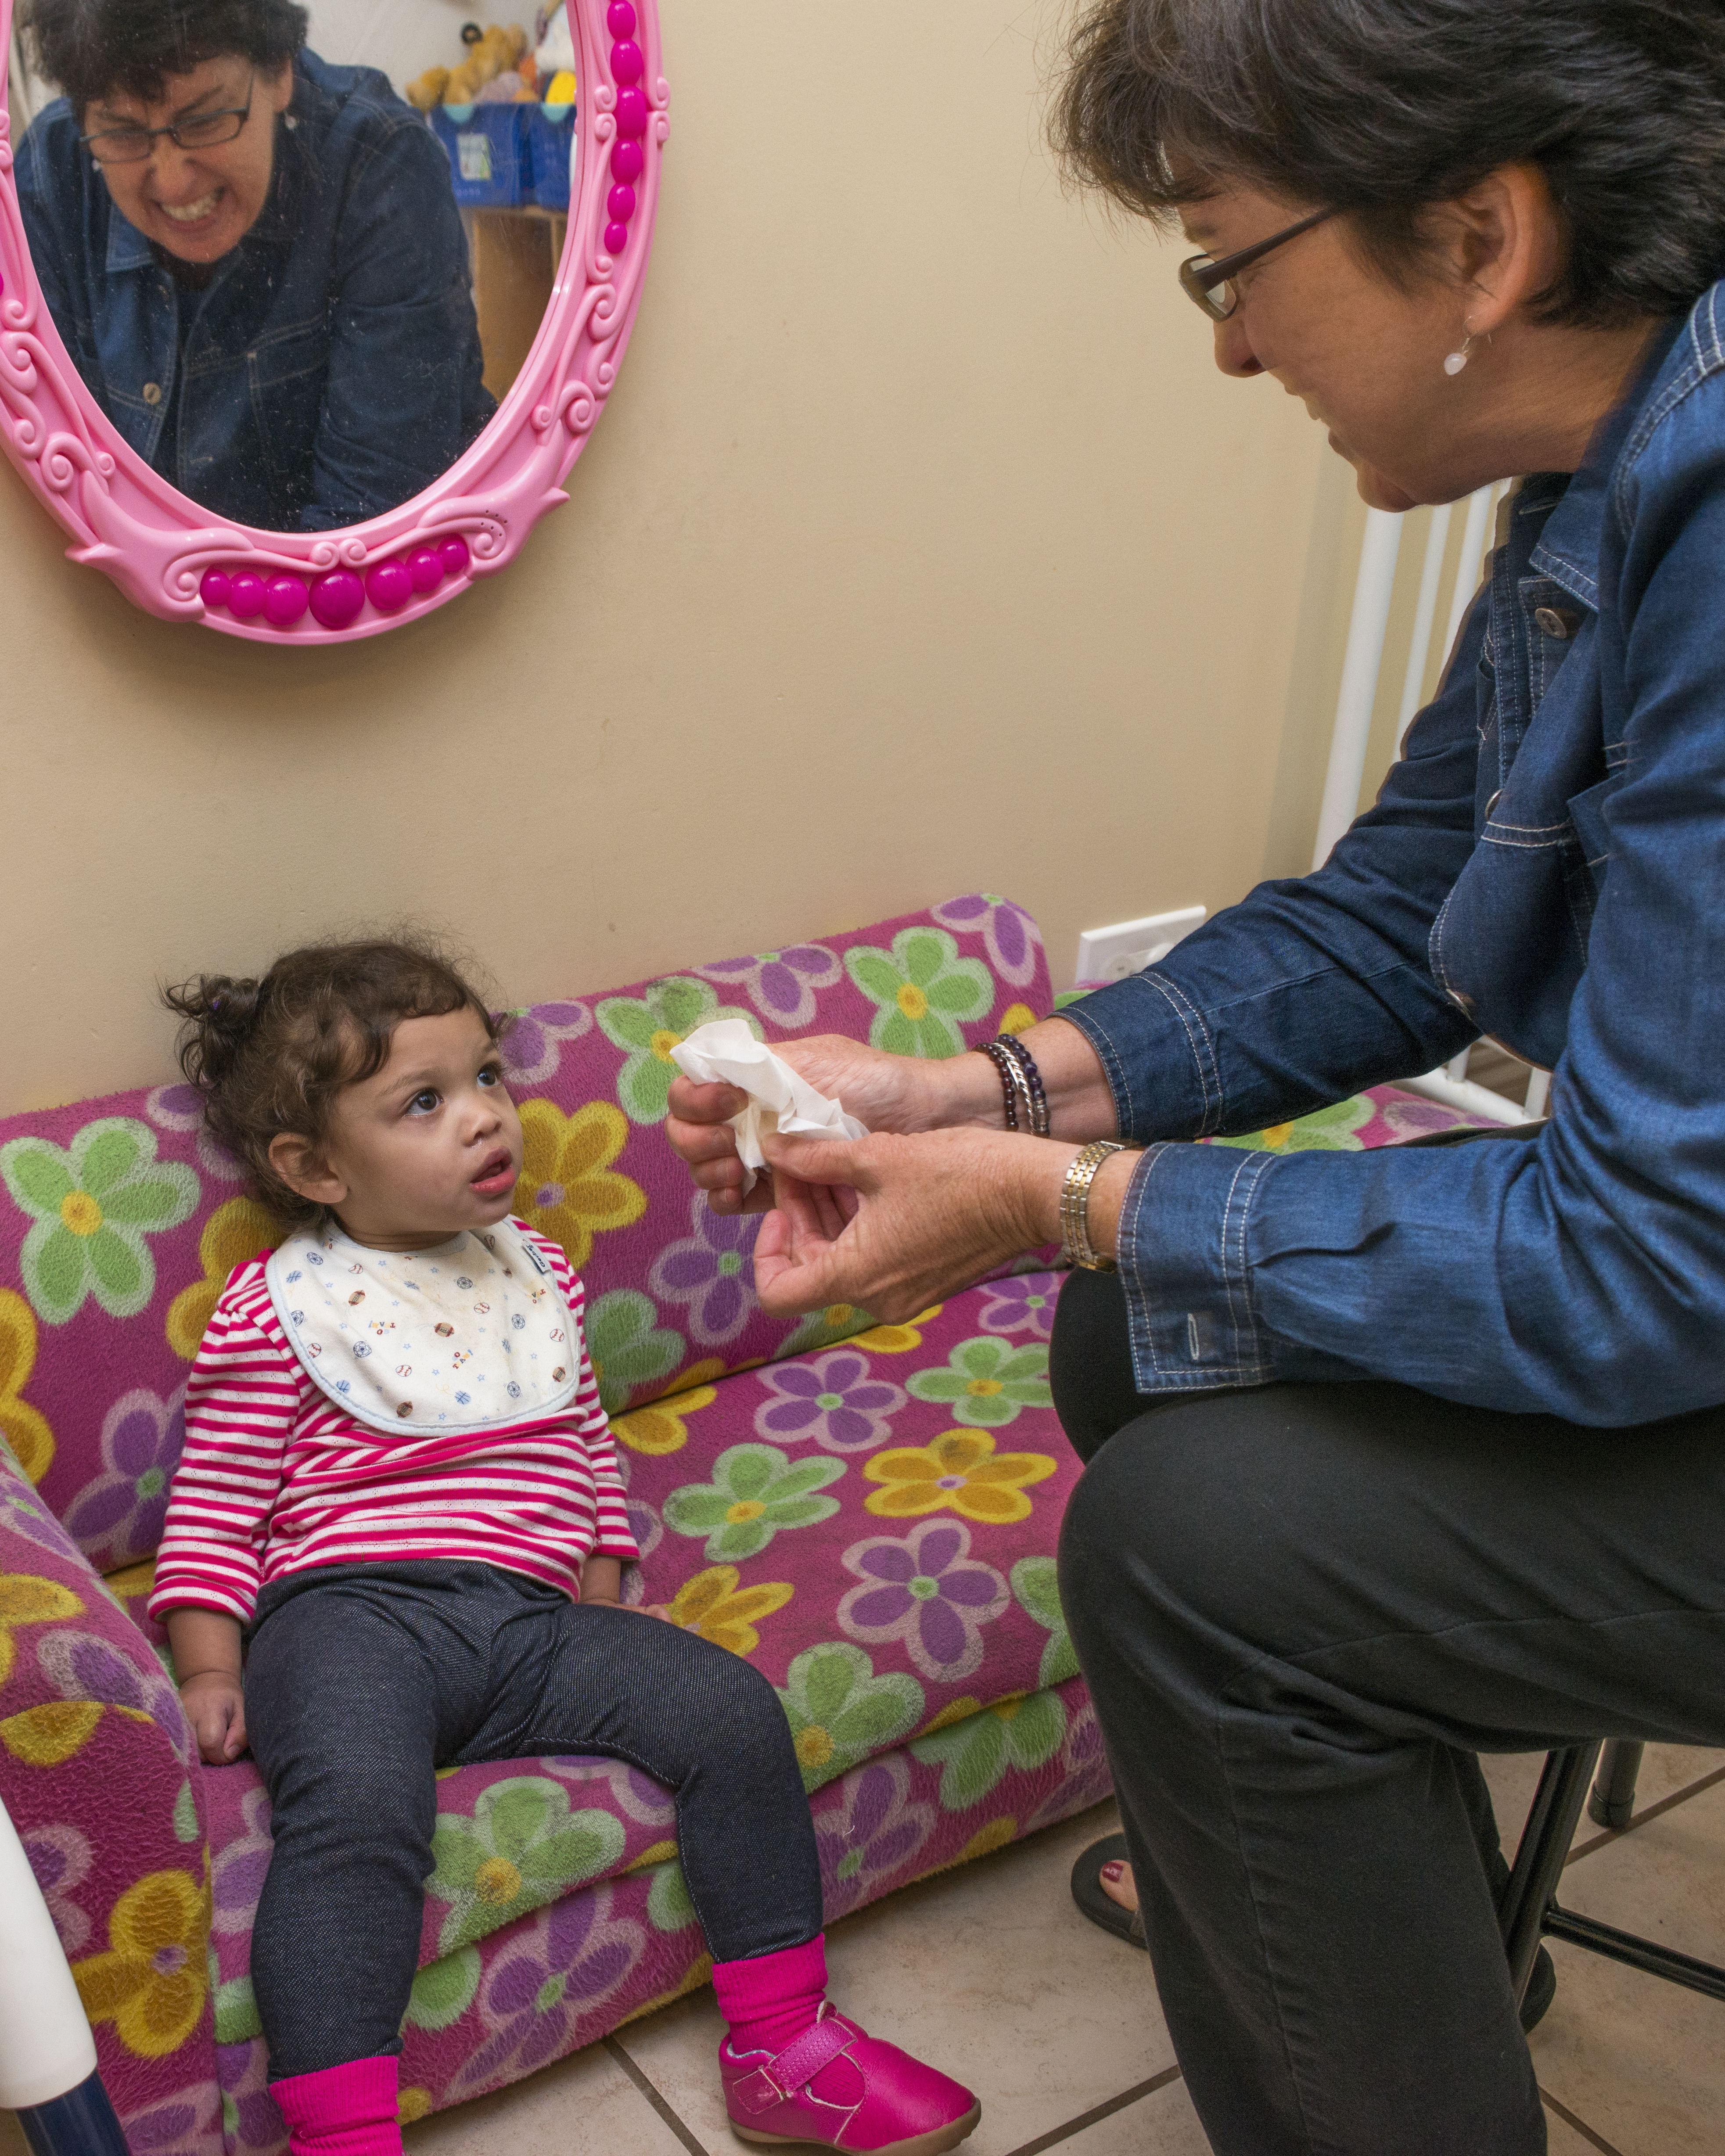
<point x="398" y="1486"/>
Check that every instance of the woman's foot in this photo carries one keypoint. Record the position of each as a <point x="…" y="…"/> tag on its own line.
<point x="834" y="2087"/>
<point x="1119" y="1885"/>
<point x="1104" y="1890"/>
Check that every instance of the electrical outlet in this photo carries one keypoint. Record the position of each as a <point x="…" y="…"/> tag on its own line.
<point x="1127" y="947"/>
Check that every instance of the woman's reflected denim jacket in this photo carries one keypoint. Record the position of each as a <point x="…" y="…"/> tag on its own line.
<point x="1546" y="863"/>
<point x="332" y="364"/>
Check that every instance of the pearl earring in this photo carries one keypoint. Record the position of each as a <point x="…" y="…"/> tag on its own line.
<point x="1454" y="362"/>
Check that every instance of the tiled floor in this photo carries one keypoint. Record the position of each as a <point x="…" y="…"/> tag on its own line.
<point x="993" y="1972"/>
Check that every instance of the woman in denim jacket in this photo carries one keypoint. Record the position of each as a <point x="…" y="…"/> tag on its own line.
<point x="1399" y="1455"/>
<point x="254" y="258"/>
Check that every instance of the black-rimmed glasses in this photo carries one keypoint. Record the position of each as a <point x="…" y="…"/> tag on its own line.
<point x="1208" y="280"/>
<point x="204" y="131"/>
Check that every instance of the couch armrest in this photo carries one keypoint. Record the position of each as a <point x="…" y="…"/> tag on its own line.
<point x="100" y="1776"/>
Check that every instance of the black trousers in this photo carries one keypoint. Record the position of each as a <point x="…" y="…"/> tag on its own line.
<point x="1303" y="1610"/>
<point x="362" y="1681"/>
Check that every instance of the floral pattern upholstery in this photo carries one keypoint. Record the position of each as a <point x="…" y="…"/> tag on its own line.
<point x="868" y="1512"/>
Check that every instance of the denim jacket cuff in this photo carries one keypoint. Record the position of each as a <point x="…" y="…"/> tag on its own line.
<point x="1158" y="1055"/>
<point x="1184" y="1268"/>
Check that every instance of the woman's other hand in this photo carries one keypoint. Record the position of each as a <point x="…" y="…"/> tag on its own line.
<point x="893" y="1093"/>
<point x="215" y="1707"/>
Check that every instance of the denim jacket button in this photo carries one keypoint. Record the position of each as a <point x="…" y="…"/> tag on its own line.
<point x="152" y="393"/>
<point x="1556" y="621"/>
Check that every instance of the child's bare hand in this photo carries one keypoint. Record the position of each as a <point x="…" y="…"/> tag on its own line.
<point x="654" y="1609"/>
<point x="215" y="1707"/>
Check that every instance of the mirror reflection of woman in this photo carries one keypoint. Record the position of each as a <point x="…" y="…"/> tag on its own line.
<point x="254" y="257"/>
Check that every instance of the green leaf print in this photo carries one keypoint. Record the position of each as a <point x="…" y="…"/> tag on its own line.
<point x="1035" y="1584"/>
<point x="90" y="1208"/>
<point x="924" y="989"/>
<point x="973" y="1754"/>
<point x="669" y="1907"/>
<point x="755" y="1491"/>
<point x="650" y="1026"/>
<point x="987" y="1382"/>
<point x="522" y="1848"/>
<point x="629" y="1346"/>
<point x="840" y="1712"/>
<point x="443" y="1990"/>
<point x="237" y="2017"/>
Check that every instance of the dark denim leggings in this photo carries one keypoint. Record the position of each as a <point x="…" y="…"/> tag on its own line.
<point x="362" y="1681"/>
<point x="1303" y="1610"/>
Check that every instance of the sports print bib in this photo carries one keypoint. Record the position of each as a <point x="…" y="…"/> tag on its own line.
<point x="471" y="1335"/>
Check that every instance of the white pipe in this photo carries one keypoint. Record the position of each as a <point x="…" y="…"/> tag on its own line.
<point x="1467" y="565"/>
<point x="1539" y="1096"/>
<point x="1456" y="1068"/>
<point x="1437" y="541"/>
<point x="45" y="2045"/>
<point x="1367" y="627"/>
<point x="1472" y="1100"/>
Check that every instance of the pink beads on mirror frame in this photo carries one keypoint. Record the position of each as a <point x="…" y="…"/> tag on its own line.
<point x="627" y="159"/>
<point x="337" y="598"/>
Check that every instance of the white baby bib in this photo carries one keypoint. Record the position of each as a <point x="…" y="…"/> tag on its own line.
<point x="471" y="1335"/>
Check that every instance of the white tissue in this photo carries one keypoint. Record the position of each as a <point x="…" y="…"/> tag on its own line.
<point x="726" y="1052"/>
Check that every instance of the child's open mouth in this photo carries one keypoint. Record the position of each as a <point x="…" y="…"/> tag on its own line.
<point x="495" y="1177"/>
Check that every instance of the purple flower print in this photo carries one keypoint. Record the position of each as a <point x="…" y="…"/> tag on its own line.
<point x="533" y="1046"/>
<point x="534" y="1996"/>
<point x="1084" y="1777"/>
<point x="614" y="1785"/>
<point x="927" y="1592"/>
<point x="181" y="1108"/>
<point x="117" y="1519"/>
<point x="79" y="1665"/>
<point x="780" y="983"/>
<point x="710" y="1272"/>
<point x="1024" y="1304"/>
<point x="832" y="1399"/>
<point x="1409" y="1117"/>
<point x="59" y="1857"/>
<point x="188" y="2124"/>
<point x="249" y="2110"/>
<point x="24" y="1516"/>
<point x="869" y="1832"/>
<point x="237" y="1877"/>
<point x="1010" y="937"/>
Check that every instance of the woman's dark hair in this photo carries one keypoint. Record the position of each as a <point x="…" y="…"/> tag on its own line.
<point x="270" y="1055"/>
<point x="1381" y="109"/>
<point x="90" y="47"/>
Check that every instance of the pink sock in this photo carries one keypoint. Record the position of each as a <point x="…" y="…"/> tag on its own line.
<point x="770" y="2000"/>
<point x="342" y="2111"/>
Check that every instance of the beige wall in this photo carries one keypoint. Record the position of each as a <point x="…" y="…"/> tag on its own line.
<point x="921" y="549"/>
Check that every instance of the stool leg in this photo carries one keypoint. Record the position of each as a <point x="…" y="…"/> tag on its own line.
<point x="1539" y="1859"/>
<point x="1611" y="1801"/>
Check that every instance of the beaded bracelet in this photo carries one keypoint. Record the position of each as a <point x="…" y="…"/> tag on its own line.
<point x="1032" y="1078"/>
<point x="1013" y="1086"/>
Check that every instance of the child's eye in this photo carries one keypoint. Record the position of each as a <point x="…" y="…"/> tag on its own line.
<point x="492" y="1075"/>
<point x="424" y="1103"/>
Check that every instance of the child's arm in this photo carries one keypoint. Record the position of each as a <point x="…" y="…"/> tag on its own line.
<point x="206" y="1651"/>
<point x="602" y="1582"/>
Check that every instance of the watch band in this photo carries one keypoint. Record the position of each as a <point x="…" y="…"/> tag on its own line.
<point x="1076" y="1243"/>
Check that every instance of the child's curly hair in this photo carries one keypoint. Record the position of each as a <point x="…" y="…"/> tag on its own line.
<point x="270" y="1055"/>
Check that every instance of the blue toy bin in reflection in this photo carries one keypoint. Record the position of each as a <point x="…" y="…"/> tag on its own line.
<point x="488" y="151"/>
<point x="551" y="128"/>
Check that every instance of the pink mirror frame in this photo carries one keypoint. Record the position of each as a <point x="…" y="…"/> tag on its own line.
<point x="322" y="587"/>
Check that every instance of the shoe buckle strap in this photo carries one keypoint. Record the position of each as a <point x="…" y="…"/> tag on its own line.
<point x="818" y="2046"/>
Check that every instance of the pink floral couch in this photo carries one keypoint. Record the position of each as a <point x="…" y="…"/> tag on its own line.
<point x="868" y="1512"/>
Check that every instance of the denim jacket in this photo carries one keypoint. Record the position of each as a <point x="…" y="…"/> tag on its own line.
<point x="332" y="364"/>
<point x="1546" y="863"/>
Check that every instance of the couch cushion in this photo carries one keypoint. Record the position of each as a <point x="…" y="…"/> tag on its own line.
<point x="120" y="1221"/>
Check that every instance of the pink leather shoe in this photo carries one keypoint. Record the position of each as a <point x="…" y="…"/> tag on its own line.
<point x="836" y="2087"/>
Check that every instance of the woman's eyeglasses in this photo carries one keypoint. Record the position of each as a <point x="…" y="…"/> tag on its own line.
<point x="1208" y="280"/>
<point x="204" y="131"/>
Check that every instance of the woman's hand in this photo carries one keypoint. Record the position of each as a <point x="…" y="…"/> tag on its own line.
<point x="890" y="1224"/>
<point x="897" y="1093"/>
<point x="215" y="1707"/>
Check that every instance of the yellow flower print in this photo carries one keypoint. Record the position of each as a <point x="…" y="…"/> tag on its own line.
<point x="566" y="1189"/>
<point x="233" y="1233"/>
<point x="660" y="1427"/>
<point x="711" y="1603"/>
<point x="25" y="1429"/>
<point x="957" y="1470"/>
<point x="150" y="1983"/>
<point x="897" y="1339"/>
<point x="987" y="1839"/>
<point x="48" y="1735"/>
<point x="1019" y="1019"/>
<point x="27" y="1599"/>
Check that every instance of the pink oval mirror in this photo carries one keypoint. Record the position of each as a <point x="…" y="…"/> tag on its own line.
<point x="294" y="344"/>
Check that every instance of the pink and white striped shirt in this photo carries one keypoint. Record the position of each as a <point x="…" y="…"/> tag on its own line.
<point x="274" y="1477"/>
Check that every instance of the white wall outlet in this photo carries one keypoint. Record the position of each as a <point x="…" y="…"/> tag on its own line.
<point x="1127" y="947"/>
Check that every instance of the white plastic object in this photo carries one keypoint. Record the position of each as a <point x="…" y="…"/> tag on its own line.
<point x="45" y="2045"/>
<point x="1127" y="947"/>
<point x="1367" y="625"/>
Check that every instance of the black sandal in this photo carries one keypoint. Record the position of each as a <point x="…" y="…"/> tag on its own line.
<point x="1093" y="1898"/>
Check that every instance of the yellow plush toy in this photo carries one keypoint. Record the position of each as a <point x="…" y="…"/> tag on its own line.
<point x="427" y="89"/>
<point x="497" y="52"/>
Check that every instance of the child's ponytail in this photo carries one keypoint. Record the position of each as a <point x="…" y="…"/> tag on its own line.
<point x="219" y="1013"/>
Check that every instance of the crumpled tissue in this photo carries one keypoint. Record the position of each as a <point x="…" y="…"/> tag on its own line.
<point x="724" y="1051"/>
